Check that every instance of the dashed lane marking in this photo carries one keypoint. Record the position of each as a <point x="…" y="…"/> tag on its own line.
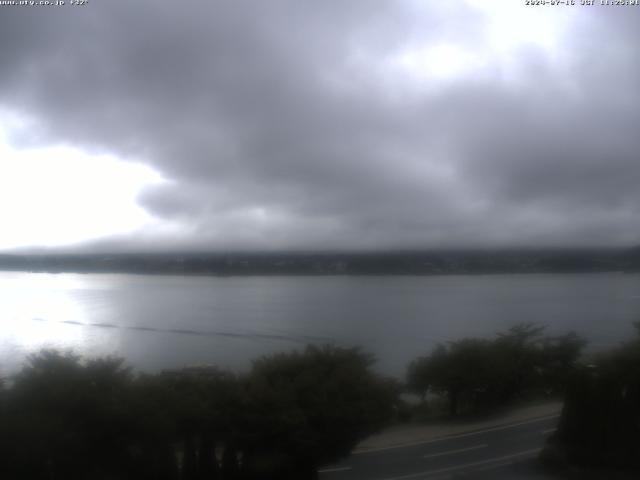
<point x="332" y="470"/>
<point x="484" y="463"/>
<point x="459" y="450"/>
<point x="455" y="436"/>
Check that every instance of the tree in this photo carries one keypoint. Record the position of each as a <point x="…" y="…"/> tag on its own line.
<point x="310" y="408"/>
<point x="519" y="351"/>
<point x="559" y="360"/>
<point x="478" y="374"/>
<point x="424" y="374"/>
<point x="206" y="405"/>
<point x="67" y="418"/>
<point x="600" y="421"/>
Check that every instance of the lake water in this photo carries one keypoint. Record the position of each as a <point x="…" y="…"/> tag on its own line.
<point x="170" y="321"/>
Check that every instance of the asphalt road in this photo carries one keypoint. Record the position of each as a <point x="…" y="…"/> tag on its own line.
<point x="501" y="452"/>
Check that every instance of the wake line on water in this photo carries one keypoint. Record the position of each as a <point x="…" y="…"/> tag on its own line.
<point x="198" y="333"/>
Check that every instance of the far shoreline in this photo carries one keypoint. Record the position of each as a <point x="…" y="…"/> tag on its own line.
<point x="319" y="275"/>
<point x="308" y="264"/>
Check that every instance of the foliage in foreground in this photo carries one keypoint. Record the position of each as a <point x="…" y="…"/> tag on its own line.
<point x="477" y="375"/>
<point x="65" y="418"/>
<point x="600" y="422"/>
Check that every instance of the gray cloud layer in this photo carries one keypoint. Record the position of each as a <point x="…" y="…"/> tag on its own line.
<point x="285" y="124"/>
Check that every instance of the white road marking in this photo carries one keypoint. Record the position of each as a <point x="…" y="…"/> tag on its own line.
<point x="459" y="435"/>
<point x="440" y="471"/>
<point x="450" y="476"/>
<point x="337" y="469"/>
<point x="548" y="430"/>
<point x="493" y="467"/>
<point x="460" y="450"/>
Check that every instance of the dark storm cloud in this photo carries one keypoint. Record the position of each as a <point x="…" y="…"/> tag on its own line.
<point x="286" y="124"/>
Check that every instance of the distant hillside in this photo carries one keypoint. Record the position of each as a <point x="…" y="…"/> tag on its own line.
<point x="386" y="263"/>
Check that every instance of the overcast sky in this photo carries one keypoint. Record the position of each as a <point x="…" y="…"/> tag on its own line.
<point x="272" y="124"/>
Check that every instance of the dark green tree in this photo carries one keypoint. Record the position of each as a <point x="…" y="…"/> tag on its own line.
<point x="478" y="375"/>
<point x="62" y="417"/>
<point x="67" y="419"/>
<point x="424" y="373"/>
<point x="311" y="408"/>
<point x="600" y="421"/>
<point x="559" y="360"/>
<point x="519" y="355"/>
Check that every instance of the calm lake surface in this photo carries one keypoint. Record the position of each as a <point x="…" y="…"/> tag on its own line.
<point x="170" y="321"/>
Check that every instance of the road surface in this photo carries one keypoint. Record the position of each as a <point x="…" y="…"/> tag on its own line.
<point x="499" y="452"/>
